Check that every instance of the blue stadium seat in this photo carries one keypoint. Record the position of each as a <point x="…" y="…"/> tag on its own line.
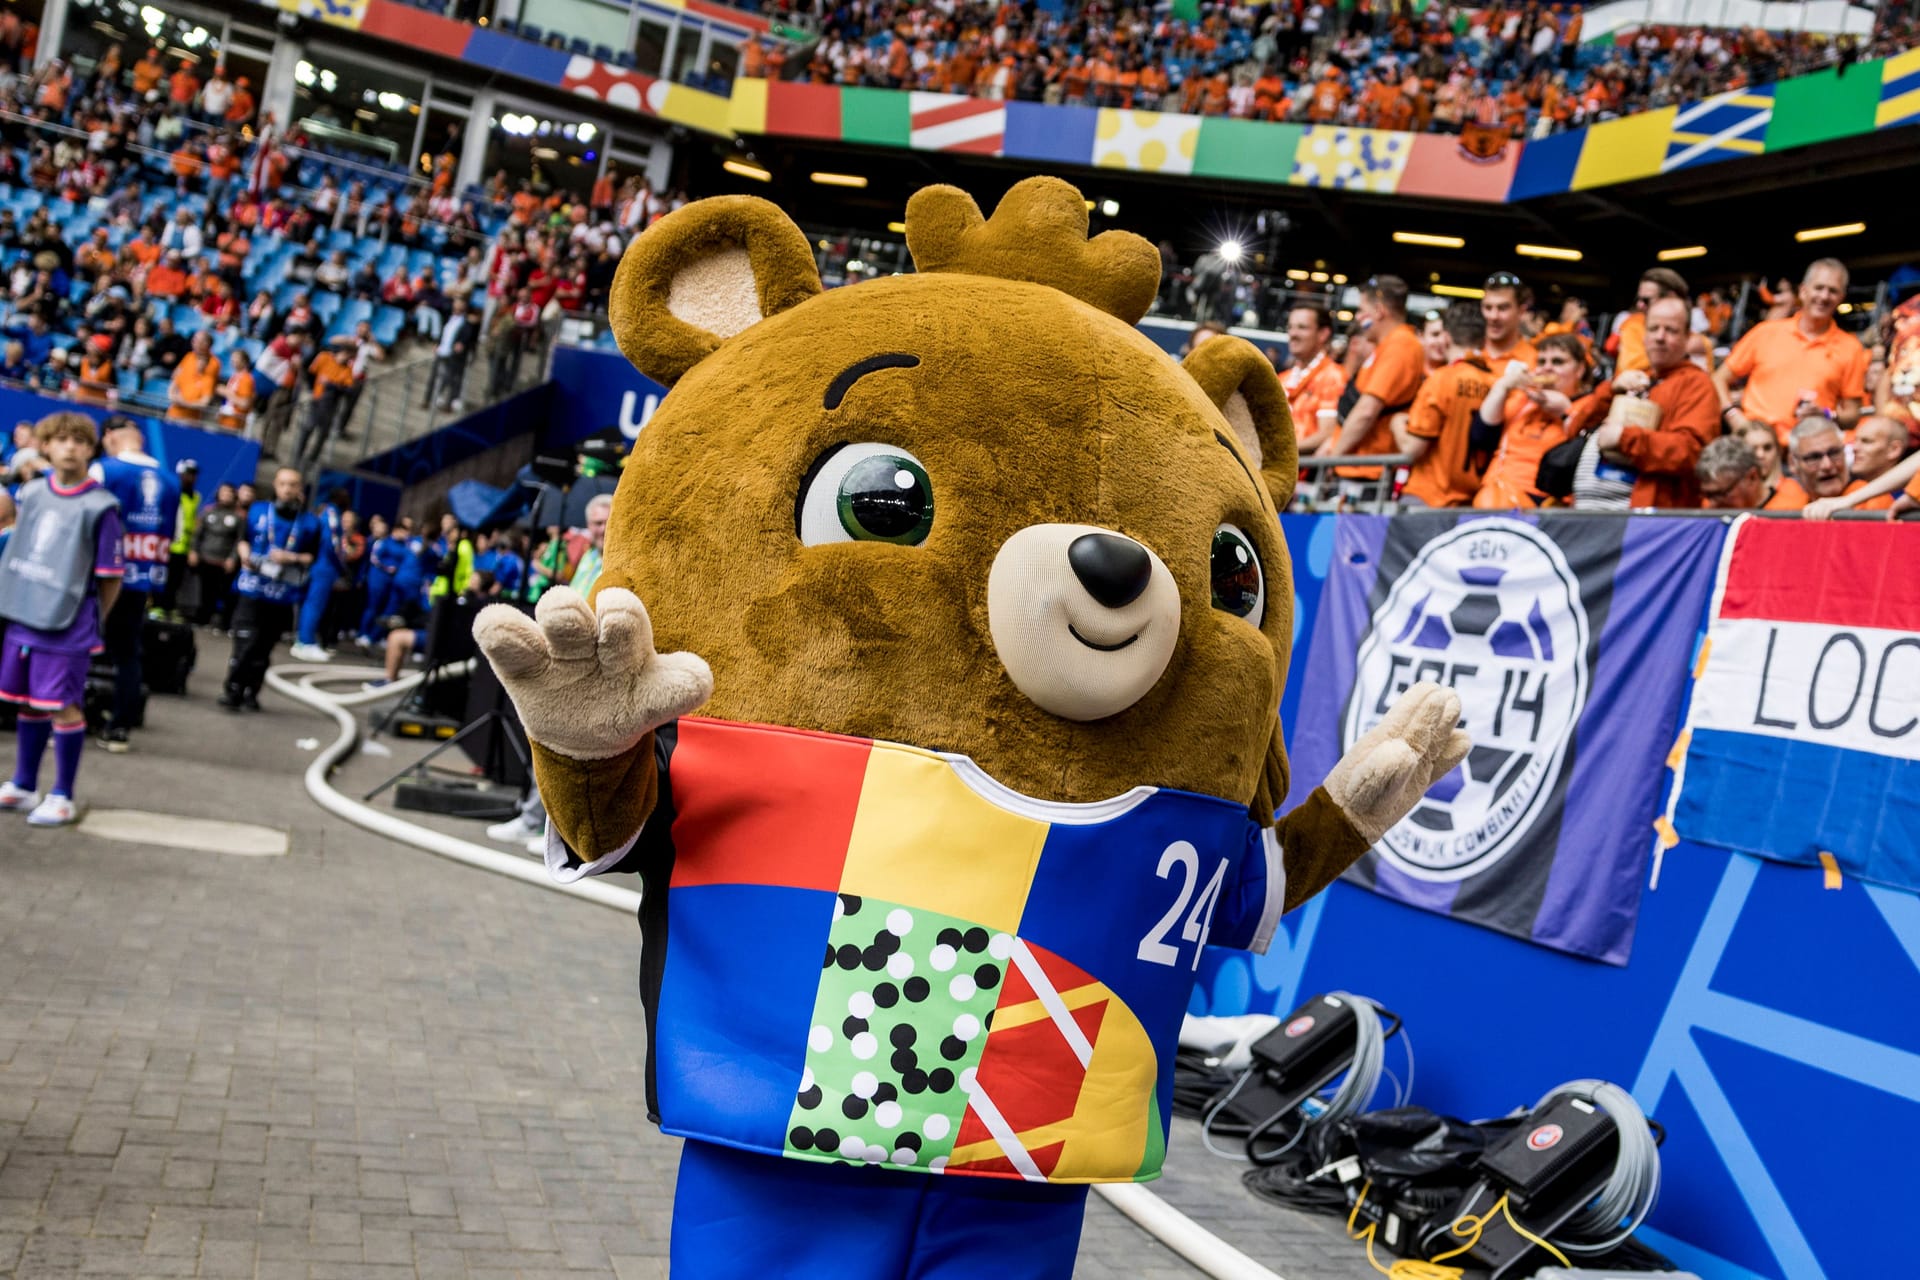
<point x="603" y="53"/>
<point x="387" y="322"/>
<point x="128" y="380"/>
<point x="187" y="318"/>
<point x="623" y="58"/>
<point x="157" y="385"/>
<point x="326" y="305"/>
<point x="530" y="32"/>
<point x="506" y="26"/>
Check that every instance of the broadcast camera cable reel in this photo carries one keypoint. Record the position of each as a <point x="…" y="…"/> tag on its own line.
<point x="1283" y="1094"/>
<point x="1576" y="1178"/>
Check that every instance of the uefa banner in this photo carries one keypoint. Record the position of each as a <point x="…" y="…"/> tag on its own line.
<point x="1802" y="740"/>
<point x="1567" y="637"/>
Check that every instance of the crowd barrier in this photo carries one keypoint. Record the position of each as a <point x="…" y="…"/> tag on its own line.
<point x="1557" y="912"/>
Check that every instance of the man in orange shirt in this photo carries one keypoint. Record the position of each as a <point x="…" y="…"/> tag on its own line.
<point x="1505" y="300"/>
<point x="167" y="278"/>
<point x="184" y="86"/>
<point x="240" y="110"/>
<point x="1817" y="458"/>
<point x="1800" y="364"/>
<point x="1313" y="379"/>
<point x="1662" y="457"/>
<point x="194" y="380"/>
<point x="1438" y="429"/>
<point x="1387" y="382"/>
<point x="147" y="73"/>
<point x="1655" y="283"/>
<point x="1329" y="95"/>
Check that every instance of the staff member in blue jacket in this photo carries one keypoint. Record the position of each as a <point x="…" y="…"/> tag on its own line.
<point x="149" y="499"/>
<point x="328" y="567"/>
<point x="277" y="556"/>
<point x="386" y="552"/>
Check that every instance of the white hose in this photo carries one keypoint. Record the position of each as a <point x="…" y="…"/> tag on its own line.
<point x="1207" y="1252"/>
<point x="383" y="823"/>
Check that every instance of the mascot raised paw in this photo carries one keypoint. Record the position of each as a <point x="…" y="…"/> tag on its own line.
<point x="947" y="736"/>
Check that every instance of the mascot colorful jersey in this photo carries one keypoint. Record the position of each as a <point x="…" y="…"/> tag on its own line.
<point x="986" y="608"/>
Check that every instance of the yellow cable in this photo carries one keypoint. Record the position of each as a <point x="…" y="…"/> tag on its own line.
<point x="1467" y="1226"/>
<point x="1402" y="1268"/>
<point x="1466" y="1223"/>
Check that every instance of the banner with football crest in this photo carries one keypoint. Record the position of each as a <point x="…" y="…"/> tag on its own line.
<point x="1567" y="637"/>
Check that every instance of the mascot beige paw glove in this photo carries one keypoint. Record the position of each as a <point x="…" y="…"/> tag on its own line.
<point x="589" y="687"/>
<point x="1380" y="778"/>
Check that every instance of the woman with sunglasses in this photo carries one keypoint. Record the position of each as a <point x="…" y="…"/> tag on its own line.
<point x="1528" y="412"/>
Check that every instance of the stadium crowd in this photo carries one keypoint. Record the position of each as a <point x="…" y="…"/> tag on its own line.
<point x="1493" y="406"/>
<point x="1516" y="68"/>
<point x="167" y="252"/>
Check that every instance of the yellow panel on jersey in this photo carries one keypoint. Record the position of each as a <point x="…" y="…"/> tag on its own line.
<point x="912" y="803"/>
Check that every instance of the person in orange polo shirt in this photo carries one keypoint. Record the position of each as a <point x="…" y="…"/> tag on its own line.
<point x="1438" y="430"/>
<point x="194" y="381"/>
<point x="1329" y="95"/>
<point x="1532" y="412"/>
<point x="1798" y="364"/>
<point x="1504" y="301"/>
<point x="1817" y="459"/>
<point x="1313" y="379"/>
<point x="1631" y="338"/>
<point x="1387" y="382"/>
<point x="1896" y="491"/>
<point x="147" y="73"/>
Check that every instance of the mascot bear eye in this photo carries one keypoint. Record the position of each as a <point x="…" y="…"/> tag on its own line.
<point x="1238" y="585"/>
<point x="866" y="493"/>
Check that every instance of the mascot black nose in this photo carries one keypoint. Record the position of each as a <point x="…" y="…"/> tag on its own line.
<point x="1114" y="570"/>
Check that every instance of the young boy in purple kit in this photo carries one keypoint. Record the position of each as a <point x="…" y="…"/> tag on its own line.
<point x="58" y="577"/>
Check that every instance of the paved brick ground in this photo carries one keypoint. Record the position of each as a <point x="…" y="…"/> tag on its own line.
<point x="356" y="1060"/>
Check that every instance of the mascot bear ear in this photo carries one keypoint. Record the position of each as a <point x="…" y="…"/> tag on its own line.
<point x="702" y="274"/>
<point x="1243" y="386"/>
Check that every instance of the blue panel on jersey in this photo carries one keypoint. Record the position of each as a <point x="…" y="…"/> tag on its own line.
<point x="736" y="1003"/>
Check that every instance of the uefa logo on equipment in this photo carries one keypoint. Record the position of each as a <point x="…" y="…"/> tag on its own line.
<point x="1490" y="608"/>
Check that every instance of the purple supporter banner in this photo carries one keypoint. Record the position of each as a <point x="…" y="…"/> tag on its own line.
<point x="1567" y="637"/>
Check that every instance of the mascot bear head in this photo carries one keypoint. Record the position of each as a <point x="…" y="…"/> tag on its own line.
<point x="971" y="509"/>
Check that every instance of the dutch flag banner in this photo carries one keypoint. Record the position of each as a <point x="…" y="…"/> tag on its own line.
<point x="1802" y="741"/>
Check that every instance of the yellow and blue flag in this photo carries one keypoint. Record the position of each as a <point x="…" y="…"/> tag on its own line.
<point x="1726" y="126"/>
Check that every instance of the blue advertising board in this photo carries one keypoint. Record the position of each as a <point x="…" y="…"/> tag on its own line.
<point x="224" y="457"/>
<point x="1744" y="1021"/>
<point x="595" y="390"/>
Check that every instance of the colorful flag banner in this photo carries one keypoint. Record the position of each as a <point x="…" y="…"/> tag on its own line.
<point x="954" y="122"/>
<point x="1559" y="635"/>
<point x="1802" y="742"/>
<point x="1724" y="127"/>
<point x="1899" y="90"/>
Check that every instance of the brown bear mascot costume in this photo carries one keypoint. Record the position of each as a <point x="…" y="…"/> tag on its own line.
<point x="983" y="605"/>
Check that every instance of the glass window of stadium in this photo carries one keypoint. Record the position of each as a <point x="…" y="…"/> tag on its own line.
<point x="349" y="106"/>
<point x="552" y="155"/>
<point x="650" y="45"/>
<point x="448" y="111"/>
<point x="595" y="21"/>
<point x="195" y="36"/>
<point x="688" y="66"/>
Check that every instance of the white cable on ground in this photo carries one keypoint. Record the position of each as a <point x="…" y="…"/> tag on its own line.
<point x="381" y="822"/>
<point x="1207" y="1252"/>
